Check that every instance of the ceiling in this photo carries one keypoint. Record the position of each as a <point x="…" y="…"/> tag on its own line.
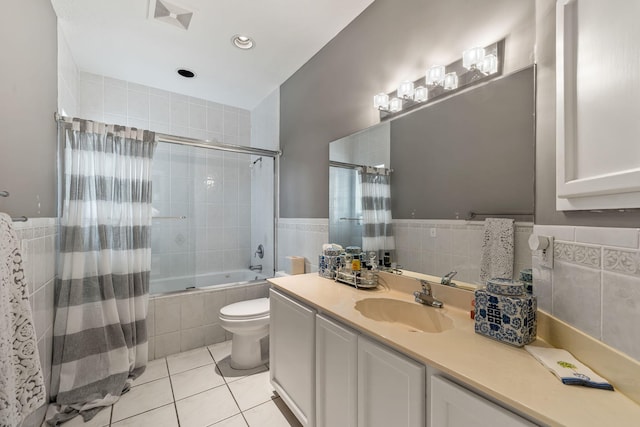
<point x="116" y="38"/>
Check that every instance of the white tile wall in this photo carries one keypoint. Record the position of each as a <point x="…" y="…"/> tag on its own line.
<point x="182" y="322"/>
<point x="130" y="104"/>
<point x="457" y="245"/>
<point x="302" y="237"/>
<point x="38" y="242"/>
<point x="67" y="79"/>
<point x="595" y="282"/>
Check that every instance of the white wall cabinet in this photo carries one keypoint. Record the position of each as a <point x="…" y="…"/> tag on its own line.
<point x="455" y="406"/>
<point x="336" y="374"/>
<point x="391" y="387"/>
<point x="292" y="355"/>
<point x="598" y="88"/>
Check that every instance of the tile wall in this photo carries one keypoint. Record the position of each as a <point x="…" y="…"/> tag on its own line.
<point x="594" y="284"/>
<point x="181" y="322"/>
<point x="302" y="237"/>
<point x="38" y="244"/>
<point x="67" y="79"/>
<point x="440" y="246"/>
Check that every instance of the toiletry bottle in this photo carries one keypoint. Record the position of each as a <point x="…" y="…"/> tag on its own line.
<point x="387" y="259"/>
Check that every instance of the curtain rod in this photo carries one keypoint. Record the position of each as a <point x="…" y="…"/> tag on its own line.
<point x="180" y="140"/>
<point x="353" y="165"/>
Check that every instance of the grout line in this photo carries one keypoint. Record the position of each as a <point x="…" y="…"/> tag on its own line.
<point x="175" y="405"/>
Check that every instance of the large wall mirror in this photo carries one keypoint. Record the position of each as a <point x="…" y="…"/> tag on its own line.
<point x="465" y="158"/>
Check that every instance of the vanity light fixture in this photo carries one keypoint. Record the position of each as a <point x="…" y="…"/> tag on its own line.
<point x="477" y="65"/>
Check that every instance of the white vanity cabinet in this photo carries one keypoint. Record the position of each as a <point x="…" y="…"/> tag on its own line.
<point x="455" y="406"/>
<point x="391" y="387"/>
<point x="292" y="355"/>
<point x="336" y="374"/>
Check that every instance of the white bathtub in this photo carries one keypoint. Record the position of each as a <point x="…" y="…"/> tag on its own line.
<point x="204" y="281"/>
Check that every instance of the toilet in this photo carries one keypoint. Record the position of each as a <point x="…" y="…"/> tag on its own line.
<point x="248" y="321"/>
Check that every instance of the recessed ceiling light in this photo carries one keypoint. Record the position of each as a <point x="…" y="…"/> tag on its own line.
<point x="186" y="73"/>
<point x="242" y="42"/>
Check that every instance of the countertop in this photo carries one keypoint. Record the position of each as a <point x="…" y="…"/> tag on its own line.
<point x="501" y="372"/>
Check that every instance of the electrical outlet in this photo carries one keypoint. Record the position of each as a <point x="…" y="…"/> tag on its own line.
<point x="546" y="255"/>
<point x="433" y="232"/>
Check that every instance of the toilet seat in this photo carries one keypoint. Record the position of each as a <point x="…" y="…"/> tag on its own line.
<point x="251" y="309"/>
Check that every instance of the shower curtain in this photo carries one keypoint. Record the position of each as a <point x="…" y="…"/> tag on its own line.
<point x="377" y="232"/>
<point x="100" y="335"/>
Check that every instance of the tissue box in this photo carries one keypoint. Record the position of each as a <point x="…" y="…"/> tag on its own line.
<point x="510" y="319"/>
<point x="294" y="265"/>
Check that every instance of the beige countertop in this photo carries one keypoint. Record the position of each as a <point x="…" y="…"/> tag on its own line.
<point x="502" y="372"/>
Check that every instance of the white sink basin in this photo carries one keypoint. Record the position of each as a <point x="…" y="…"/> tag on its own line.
<point x="413" y="316"/>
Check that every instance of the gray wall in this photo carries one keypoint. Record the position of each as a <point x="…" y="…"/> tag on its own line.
<point x="28" y="90"/>
<point x="471" y="152"/>
<point x="546" y="139"/>
<point x="331" y="95"/>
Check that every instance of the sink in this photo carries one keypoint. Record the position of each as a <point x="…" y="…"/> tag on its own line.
<point x="413" y="316"/>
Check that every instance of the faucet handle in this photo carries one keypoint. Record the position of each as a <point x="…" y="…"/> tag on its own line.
<point x="426" y="286"/>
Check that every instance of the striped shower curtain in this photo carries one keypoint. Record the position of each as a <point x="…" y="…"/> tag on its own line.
<point x="377" y="234"/>
<point x="100" y="332"/>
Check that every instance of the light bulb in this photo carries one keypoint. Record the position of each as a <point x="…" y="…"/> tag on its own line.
<point x="421" y="94"/>
<point x="435" y="75"/>
<point x="489" y="64"/>
<point x="381" y="101"/>
<point x="395" y="105"/>
<point x="450" y="81"/>
<point x="472" y="57"/>
<point x="405" y="89"/>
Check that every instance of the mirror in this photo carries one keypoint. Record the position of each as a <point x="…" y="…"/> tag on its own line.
<point x="454" y="163"/>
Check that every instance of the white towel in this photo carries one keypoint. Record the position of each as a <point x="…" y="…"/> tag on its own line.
<point x="567" y="368"/>
<point x="22" y="388"/>
<point x="497" y="249"/>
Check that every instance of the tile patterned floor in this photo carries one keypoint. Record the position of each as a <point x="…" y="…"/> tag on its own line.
<point x="197" y="388"/>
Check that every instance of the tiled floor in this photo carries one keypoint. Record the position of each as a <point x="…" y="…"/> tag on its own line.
<point x="197" y="388"/>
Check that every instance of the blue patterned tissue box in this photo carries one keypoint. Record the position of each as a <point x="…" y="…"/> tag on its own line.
<point x="510" y="319"/>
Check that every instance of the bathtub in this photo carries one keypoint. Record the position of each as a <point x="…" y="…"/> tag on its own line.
<point x="204" y="281"/>
<point x="183" y="311"/>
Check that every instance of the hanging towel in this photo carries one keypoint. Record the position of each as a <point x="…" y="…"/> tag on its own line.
<point x="22" y="388"/>
<point x="497" y="249"/>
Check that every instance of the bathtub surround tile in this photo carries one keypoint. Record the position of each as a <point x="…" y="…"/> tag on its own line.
<point x="151" y="348"/>
<point x="214" y="334"/>
<point x="167" y="344"/>
<point x="192" y="338"/>
<point x="192" y="307"/>
<point x="189" y="360"/>
<point x="143" y="398"/>
<point x="164" y="416"/>
<point x="206" y="408"/>
<point x="194" y="381"/>
<point x="169" y="315"/>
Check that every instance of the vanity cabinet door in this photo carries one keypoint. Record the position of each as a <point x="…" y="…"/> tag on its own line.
<point x="336" y="374"/>
<point x="455" y="406"/>
<point x="292" y="355"/>
<point x="391" y="387"/>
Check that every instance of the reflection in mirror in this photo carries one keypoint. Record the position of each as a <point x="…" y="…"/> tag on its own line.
<point x="472" y="152"/>
<point x="349" y="158"/>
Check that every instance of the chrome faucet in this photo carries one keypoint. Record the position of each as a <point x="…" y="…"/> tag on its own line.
<point x="446" y="279"/>
<point x="256" y="268"/>
<point x="425" y="296"/>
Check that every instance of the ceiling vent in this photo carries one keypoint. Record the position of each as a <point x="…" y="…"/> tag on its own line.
<point x="170" y="13"/>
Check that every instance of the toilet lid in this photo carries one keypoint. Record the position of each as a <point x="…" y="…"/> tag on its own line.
<point x="250" y="308"/>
